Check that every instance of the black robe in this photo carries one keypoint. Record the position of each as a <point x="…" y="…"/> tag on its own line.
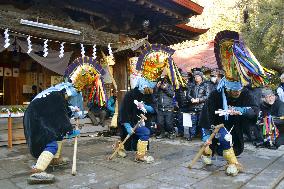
<point x="46" y="120"/>
<point x="128" y="113"/>
<point x="215" y="102"/>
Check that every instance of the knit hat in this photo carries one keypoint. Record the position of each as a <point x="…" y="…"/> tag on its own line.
<point x="184" y="74"/>
<point x="266" y="91"/>
<point x="198" y="73"/>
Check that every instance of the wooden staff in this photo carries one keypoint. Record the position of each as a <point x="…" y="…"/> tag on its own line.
<point x="114" y="118"/>
<point x="74" y="165"/>
<point x="127" y="137"/>
<point x="200" y="152"/>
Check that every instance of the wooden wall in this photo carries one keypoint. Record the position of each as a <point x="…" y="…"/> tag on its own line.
<point x="31" y="73"/>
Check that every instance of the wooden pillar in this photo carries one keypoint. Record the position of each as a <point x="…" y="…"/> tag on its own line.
<point x="10" y="137"/>
<point x="120" y="76"/>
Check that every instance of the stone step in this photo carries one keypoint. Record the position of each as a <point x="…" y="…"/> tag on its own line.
<point x="269" y="177"/>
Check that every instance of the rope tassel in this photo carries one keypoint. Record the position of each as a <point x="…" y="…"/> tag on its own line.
<point x="7" y="40"/>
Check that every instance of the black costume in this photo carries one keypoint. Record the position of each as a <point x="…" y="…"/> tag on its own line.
<point x="129" y="113"/>
<point x="215" y="102"/>
<point x="46" y="121"/>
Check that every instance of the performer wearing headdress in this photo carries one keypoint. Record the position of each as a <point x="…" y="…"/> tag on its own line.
<point x="152" y="62"/>
<point x="46" y="123"/>
<point x="234" y="101"/>
<point x="47" y="118"/>
<point x="128" y="117"/>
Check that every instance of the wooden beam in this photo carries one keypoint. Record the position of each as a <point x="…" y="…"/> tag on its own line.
<point x="157" y="8"/>
<point x="190" y="5"/>
<point x="192" y="29"/>
<point x="172" y="30"/>
<point x="89" y="12"/>
<point x="10" y="19"/>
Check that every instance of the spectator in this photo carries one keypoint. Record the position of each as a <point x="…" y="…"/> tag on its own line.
<point x="183" y="104"/>
<point x="196" y="95"/>
<point x="111" y="103"/>
<point x="280" y="89"/>
<point x="251" y="130"/>
<point x="164" y="106"/>
<point x="34" y="92"/>
<point x="271" y="110"/>
<point x="95" y="112"/>
<point x="151" y="121"/>
<point x="215" y="77"/>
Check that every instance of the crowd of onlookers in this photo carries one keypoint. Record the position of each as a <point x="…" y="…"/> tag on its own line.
<point x="171" y="106"/>
<point x="178" y="111"/>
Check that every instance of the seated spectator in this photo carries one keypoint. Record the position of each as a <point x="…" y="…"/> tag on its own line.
<point x="97" y="114"/>
<point x="251" y="129"/>
<point x="34" y="92"/>
<point x="272" y="109"/>
<point x="111" y="103"/>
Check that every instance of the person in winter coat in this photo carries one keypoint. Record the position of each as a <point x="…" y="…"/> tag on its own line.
<point x="197" y="94"/>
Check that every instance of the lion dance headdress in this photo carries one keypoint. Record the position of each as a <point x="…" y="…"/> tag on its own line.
<point x="239" y="64"/>
<point x="154" y="60"/>
<point x="85" y="74"/>
<point x="237" y="61"/>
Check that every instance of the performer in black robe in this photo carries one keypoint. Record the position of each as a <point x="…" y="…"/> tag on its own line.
<point x="229" y="141"/>
<point x="128" y="118"/>
<point x="46" y="122"/>
<point x="238" y="122"/>
<point x="231" y="104"/>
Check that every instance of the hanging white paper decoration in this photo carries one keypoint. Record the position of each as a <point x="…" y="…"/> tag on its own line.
<point x="45" y="50"/>
<point x="82" y="50"/>
<point x="61" y="50"/>
<point x="7" y="40"/>
<point x="94" y="51"/>
<point x="29" y="45"/>
<point x="109" y="50"/>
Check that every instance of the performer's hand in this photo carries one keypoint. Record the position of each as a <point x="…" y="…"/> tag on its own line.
<point x="234" y="112"/>
<point x="73" y="133"/>
<point x="128" y="128"/>
<point x="205" y="138"/>
<point x="76" y="109"/>
<point x="142" y="124"/>
<point x="140" y="105"/>
<point x="207" y="143"/>
<point x="129" y="131"/>
<point x="164" y="86"/>
<point x="159" y="84"/>
<point x="193" y="100"/>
